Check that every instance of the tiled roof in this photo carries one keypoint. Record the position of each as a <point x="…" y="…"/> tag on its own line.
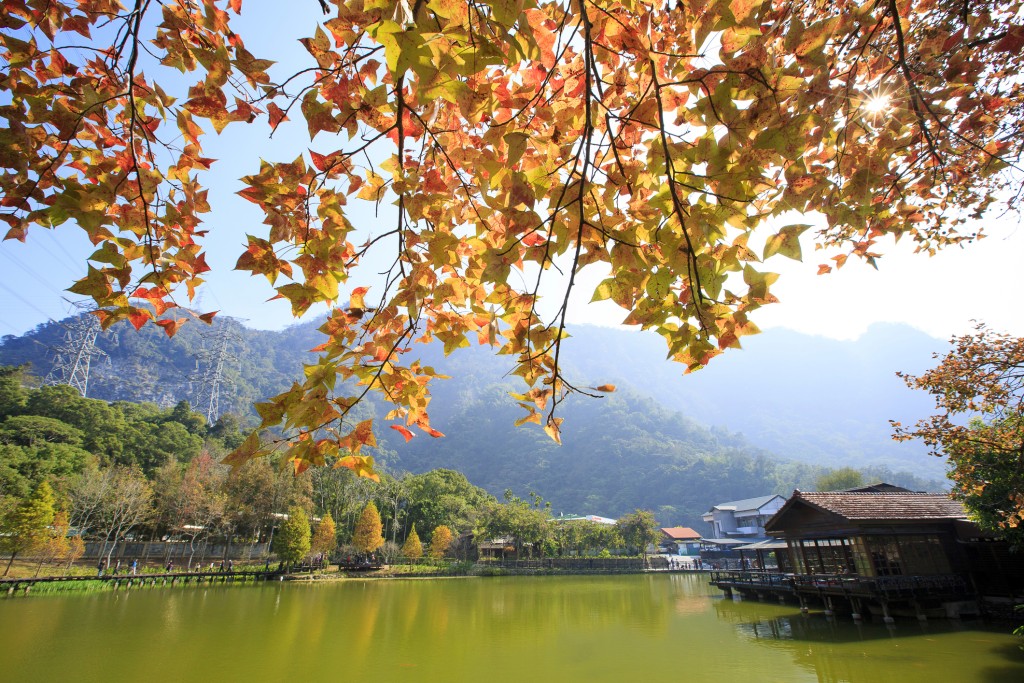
<point x="681" y="533"/>
<point x="897" y="505"/>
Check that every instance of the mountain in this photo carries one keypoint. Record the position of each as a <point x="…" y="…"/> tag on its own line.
<point x="804" y="397"/>
<point x="779" y="410"/>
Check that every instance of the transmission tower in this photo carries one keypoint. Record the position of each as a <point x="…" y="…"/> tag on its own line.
<point x="73" y="358"/>
<point x="209" y="373"/>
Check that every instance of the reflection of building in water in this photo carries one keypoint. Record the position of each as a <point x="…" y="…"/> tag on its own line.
<point x="883" y="550"/>
<point x="843" y="651"/>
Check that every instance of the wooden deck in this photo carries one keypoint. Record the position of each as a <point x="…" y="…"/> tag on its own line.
<point x="11" y="586"/>
<point x="841" y="591"/>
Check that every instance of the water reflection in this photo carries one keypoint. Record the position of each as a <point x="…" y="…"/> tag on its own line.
<point x="563" y="629"/>
<point x="840" y="650"/>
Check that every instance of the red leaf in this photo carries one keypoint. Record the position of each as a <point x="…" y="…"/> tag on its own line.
<point x="138" y="318"/>
<point x="208" y="317"/>
<point x="171" y="326"/>
<point x="404" y="432"/>
<point x="277" y="115"/>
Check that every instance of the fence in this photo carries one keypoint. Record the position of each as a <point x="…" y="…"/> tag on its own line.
<point x="594" y="564"/>
<point x="177" y="551"/>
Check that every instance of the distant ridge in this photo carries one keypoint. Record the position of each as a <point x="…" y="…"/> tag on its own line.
<point x="793" y="397"/>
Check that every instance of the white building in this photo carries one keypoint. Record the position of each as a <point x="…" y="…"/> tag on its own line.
<point x="742" y="519"/>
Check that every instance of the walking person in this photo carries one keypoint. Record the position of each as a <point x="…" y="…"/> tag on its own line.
<point x="100" y="566"/>
<point x="135" y="566"/>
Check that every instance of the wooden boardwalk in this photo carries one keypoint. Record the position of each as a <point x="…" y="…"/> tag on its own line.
<point x="10" y="586"/>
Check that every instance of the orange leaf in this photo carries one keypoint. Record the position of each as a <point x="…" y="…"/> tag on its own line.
<point x="171" y="326"/>
<point x="138" y="318"/>
<point x="425" y="426"/>
<point x="404" y="432"/>
<point x="363" y="433"/>
<point x="356" y="300"/>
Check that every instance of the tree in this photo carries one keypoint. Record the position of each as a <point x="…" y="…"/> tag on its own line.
<point x="527" y="527"/>
<point x="190" y="501"/>
<point x="583" y="536"/>
<point x="367" y="536"/>
<point x="638" y="530"/>
<point x="325" y="538"/>
<point x="412" y="548"/>
<point x="55" y="545"/>
<point x="979" y="392"/>
<point x="837" y="480"/>
<point x="25" y="529"/>
<point x="656" y="146"/>
<point x="444" y="497"/>
<point x="440" y="540"/>
<point x="110" y="503"/>
<point x="292" y="541"/>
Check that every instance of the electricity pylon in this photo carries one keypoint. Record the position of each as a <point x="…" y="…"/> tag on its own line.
<point x="209" y="373"/>
<point x="72" y="359"/>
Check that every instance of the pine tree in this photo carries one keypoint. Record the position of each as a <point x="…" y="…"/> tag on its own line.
<point x="292" y="541"/>
<point x="325" y="537"/>
<point x="367" y="536"/>
<point x="412" y="548"/>
<point x="26" y="527"/>
<point x="440" y="541"/>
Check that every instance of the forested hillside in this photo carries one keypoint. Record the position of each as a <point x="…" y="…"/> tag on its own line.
<point x="644" y="445"/>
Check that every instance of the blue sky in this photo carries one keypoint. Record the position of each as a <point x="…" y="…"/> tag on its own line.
<point x="940" y="295"/>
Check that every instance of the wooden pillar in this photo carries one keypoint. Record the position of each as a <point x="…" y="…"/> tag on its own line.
<point x="828" y="607"/>
<point x="887" y="618"/>
<point x="855" y="606"/>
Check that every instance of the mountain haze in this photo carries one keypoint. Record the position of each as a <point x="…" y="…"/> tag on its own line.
<point x="763" y="419"/>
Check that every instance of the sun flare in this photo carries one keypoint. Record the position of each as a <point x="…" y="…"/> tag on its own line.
<point x="877" y="104"/>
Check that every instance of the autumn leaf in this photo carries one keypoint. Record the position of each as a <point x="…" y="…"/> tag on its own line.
<point x="404" y="432"/>
<point x="504" y="145"/>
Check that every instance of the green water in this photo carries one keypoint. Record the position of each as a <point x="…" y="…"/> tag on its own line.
<point x="560" y="629"/>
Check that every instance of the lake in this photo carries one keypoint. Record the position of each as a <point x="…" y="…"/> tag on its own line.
<point x="565" y="629"/>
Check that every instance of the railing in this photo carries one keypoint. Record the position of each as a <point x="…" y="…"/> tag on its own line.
<point x="889" y="586"/>
<point x="753" y="578"/>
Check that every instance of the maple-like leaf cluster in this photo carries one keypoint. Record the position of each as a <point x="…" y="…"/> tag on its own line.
<point x="662" y="144"/>
<point x="979" y="394"/>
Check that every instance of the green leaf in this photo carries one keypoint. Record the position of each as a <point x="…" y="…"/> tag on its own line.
<point x="786" y="242"/>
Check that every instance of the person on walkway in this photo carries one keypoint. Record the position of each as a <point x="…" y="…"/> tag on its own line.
<point x="231" y="565"/>
<point x="100" y="566"/>
<point x="170" y="566"/>
<point x="135" y="566"/>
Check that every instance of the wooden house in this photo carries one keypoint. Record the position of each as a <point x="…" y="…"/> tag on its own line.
<point x="884" y="550"/>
